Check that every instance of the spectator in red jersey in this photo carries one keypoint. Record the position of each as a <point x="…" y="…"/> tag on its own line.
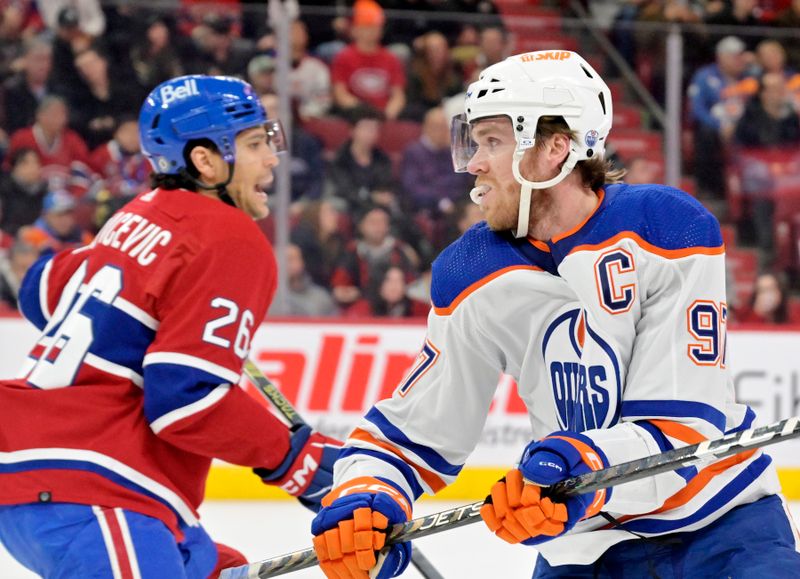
<point x="120" y="162"/>
<point x="388" y="298"/>
<point x="769" y="303"/>
<point x="57" y="228"/>
<point x="124" y="170"/>
<point x="21" y="191"/>
<point x="25" y="90"/>
<point x="63" y="153"/>
<point x="366" y="257"/>
<point x="365" y="72"/>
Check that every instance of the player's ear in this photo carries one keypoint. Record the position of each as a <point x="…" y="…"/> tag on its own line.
<point x="559" y="147"/>
<point x="203" y="160"/>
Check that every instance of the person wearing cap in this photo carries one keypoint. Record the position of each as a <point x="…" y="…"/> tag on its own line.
<point x="86" y="15"/>
<point x="261" y="74"/>
<point x="57" y="228"/>
<point x="365" y="72"/>
<point x="715" y="106"/>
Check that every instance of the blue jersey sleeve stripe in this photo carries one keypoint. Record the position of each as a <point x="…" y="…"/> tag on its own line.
<point x="396" y="436"/>
<point x="728" y="493"/>
<point x="673" y="409"/>
<point x="193" y="362"/>
<point x="168" y="387"/>
<point x="400" y="465"/>
<point x="108" y="323"/>
<point x="747" y="421"/>
<point x="31" y="292"/>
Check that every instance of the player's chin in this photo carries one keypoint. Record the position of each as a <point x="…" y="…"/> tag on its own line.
<point x="258" y="204"/>
<point x="259" y="210"/>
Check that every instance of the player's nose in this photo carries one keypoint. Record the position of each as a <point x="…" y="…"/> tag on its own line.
<point x="478" y="164"/>
<point x="271" y="159"/>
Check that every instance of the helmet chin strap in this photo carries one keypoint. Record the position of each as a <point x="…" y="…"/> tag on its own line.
<point x="526" y="192"/>
<point x="221" y="188"/>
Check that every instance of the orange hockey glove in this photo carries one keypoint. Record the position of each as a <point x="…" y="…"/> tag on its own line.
<point x="351" y="529"/>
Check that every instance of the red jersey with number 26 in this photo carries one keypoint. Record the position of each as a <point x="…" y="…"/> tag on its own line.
<point x="131" y="389"/>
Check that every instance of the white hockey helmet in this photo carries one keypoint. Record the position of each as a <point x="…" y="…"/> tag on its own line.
<point x="524" y="88"/>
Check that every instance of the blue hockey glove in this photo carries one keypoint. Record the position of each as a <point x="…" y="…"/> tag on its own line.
<point x="518" y="509"/>
<point x="350" y="531"/>
<point x="307" y="470"/>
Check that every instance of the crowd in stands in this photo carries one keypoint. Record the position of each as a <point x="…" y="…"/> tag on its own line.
<point x="374" y="198"/>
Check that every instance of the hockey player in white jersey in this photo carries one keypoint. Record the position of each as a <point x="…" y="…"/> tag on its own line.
<point x="606" y="302"/>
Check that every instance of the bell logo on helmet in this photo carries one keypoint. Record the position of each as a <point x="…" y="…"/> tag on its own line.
<point x="170" y="93"/>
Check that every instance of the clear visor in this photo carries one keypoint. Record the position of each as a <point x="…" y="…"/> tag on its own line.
<point x="276" y="137"/>
<point x="462" y="147"/>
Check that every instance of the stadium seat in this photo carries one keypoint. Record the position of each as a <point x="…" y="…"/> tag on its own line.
<point x="397" y="135"/>
<point x="332" y="131"/>
<point x="626" y="117"/>
<point x="631" y="143"/>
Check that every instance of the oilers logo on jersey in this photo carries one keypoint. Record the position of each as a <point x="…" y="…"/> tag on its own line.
<point x="584" y="373"/>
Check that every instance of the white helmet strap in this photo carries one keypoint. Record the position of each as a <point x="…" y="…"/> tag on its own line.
<point x="523" y="220"/>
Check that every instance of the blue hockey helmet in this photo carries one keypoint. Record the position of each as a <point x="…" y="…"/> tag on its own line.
<point x="196" y="107"/>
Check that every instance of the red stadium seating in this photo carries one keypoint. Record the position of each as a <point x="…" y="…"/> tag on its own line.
<point x="627" y="117"/>
<point x="397" y="135"/>
<point x="632" y="143"/>
<point x="332" y="131"/>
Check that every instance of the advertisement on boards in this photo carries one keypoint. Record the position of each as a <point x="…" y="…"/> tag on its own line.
<point x="333" y="371"/>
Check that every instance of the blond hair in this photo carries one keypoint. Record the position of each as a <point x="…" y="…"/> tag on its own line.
<point x="596" y="172"/>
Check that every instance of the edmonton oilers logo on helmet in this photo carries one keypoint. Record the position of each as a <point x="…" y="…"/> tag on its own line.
<point x="591" y="138"/>
<point x="584" y="373"/>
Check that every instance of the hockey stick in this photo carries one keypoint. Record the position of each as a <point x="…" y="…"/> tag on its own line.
<point x="279" y="401"/>
<point x="706" y="451"/>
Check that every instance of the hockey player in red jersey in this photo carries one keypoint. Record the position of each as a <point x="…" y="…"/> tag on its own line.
<point x="107" y="435"/>
<point x="606" y="303"/>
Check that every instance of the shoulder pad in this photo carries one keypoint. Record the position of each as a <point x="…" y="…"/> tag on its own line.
<point x="475" y="258"/>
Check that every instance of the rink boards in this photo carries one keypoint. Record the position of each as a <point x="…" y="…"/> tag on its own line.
<point x="333" y="371"/>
